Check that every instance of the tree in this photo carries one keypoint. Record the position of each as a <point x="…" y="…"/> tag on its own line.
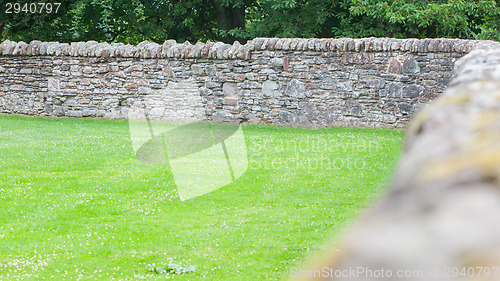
<point x="132" y="21"/>
<point x="472" y="19"/>
<point x="432" y="18"/>
<point x="229" y="16"/>
<point x="30" y="26"/>
<point x="127" y="21"/>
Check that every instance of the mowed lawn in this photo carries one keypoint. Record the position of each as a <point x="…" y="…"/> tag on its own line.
<point x="76" y="204"/>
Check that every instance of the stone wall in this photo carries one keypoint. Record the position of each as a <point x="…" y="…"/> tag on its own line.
<point x="440" y="220"/>
<point x="373" y="82"/>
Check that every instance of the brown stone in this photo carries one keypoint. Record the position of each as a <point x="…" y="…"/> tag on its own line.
<point x="102" y="69"/>
<point x="206" y="49"/>
<point x="24" y="48"/>
<point x="311" y="86"/>
<point x="239" y="77"/>
<point x="234" y="110"/>
<point x="286" y="64"/>
<point x="394" y="66"/>
<point x="130" y="86"/>
<point x="29" y="79"/>
<point x="141" y="82"/>
<point x="232" y="101"/>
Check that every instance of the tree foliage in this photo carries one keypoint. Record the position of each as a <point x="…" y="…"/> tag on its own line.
<point x="127" y="21"/>
<point x="439" y="18"/>
<point x="132" y="21"/>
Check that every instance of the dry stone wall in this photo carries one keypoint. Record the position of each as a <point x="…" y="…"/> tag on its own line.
<point x="373" y="82"/>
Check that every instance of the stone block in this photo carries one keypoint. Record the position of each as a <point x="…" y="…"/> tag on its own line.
<point x="394" y="66"/>
<point x="230" y="89"/>
<point x="270" y="89"/>
<point x="286" y="116"/>
<point x="295" y="89"/>
<point x="413" y="91"/>
<point x="231" y="101"/>
<point x="410" y="65"/>
<point x="405" y="108"/>
<point x="197" y="69"/>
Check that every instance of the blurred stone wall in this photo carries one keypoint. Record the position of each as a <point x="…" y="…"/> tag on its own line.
<point x="440" y="220"/>
<point x="370" y="82"/>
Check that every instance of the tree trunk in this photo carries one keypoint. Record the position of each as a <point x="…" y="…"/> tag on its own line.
<point x="229" y="18"/>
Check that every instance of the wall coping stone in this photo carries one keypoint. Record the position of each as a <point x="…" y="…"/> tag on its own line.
<point x="219" y="50"/>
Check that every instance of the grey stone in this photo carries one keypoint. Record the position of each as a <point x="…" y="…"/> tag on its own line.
<point x="8" y="47"/>
<point x="270" y="89"/>
<point x="222" y="51"/>
<point x="287" y="43"/>
<point x="344" y="86"/>
<point x="443" y="82"/>
<point x="357" y="111"/>
<point x="267" y="71"/>
<point x="88" y="112"/>
<point x="395" y="90"/>
<point x="357" y="58"/>
<point x="405" y="108"/>
<point x="197" y="69"/>
<point x="88" y="48"/>
<point x="53" y="84"/>
<point x="59" y="111"/>
<point x="273" y="77"/>
<point x="232" y="52"/>
<point x="161" y="270"/>
<point x="17" y="49"/>
<point x="277" y="62"/>
<point x="328" y="85"/>
<point x="295" y="89"/>
<point x="195" y="51"/>
<point x="243" y="52"/>
<point x="210" y="70"/>
<point x="230" y="89"/>
<point x="410" y="65"/>
<point x="413" y="91"/>
<point x="301" y="68"/>
<point x="75" y="47"/>
<point x="166" y="46"/>
<point x="286" y="116"/>
<point x="25" y="71"/>
<point x="250" y="85"/>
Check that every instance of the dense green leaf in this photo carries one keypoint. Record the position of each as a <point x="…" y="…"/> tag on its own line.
<point x="132" y="21"/>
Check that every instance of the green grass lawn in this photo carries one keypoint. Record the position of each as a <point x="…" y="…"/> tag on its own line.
<point x="75" y="202"/>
